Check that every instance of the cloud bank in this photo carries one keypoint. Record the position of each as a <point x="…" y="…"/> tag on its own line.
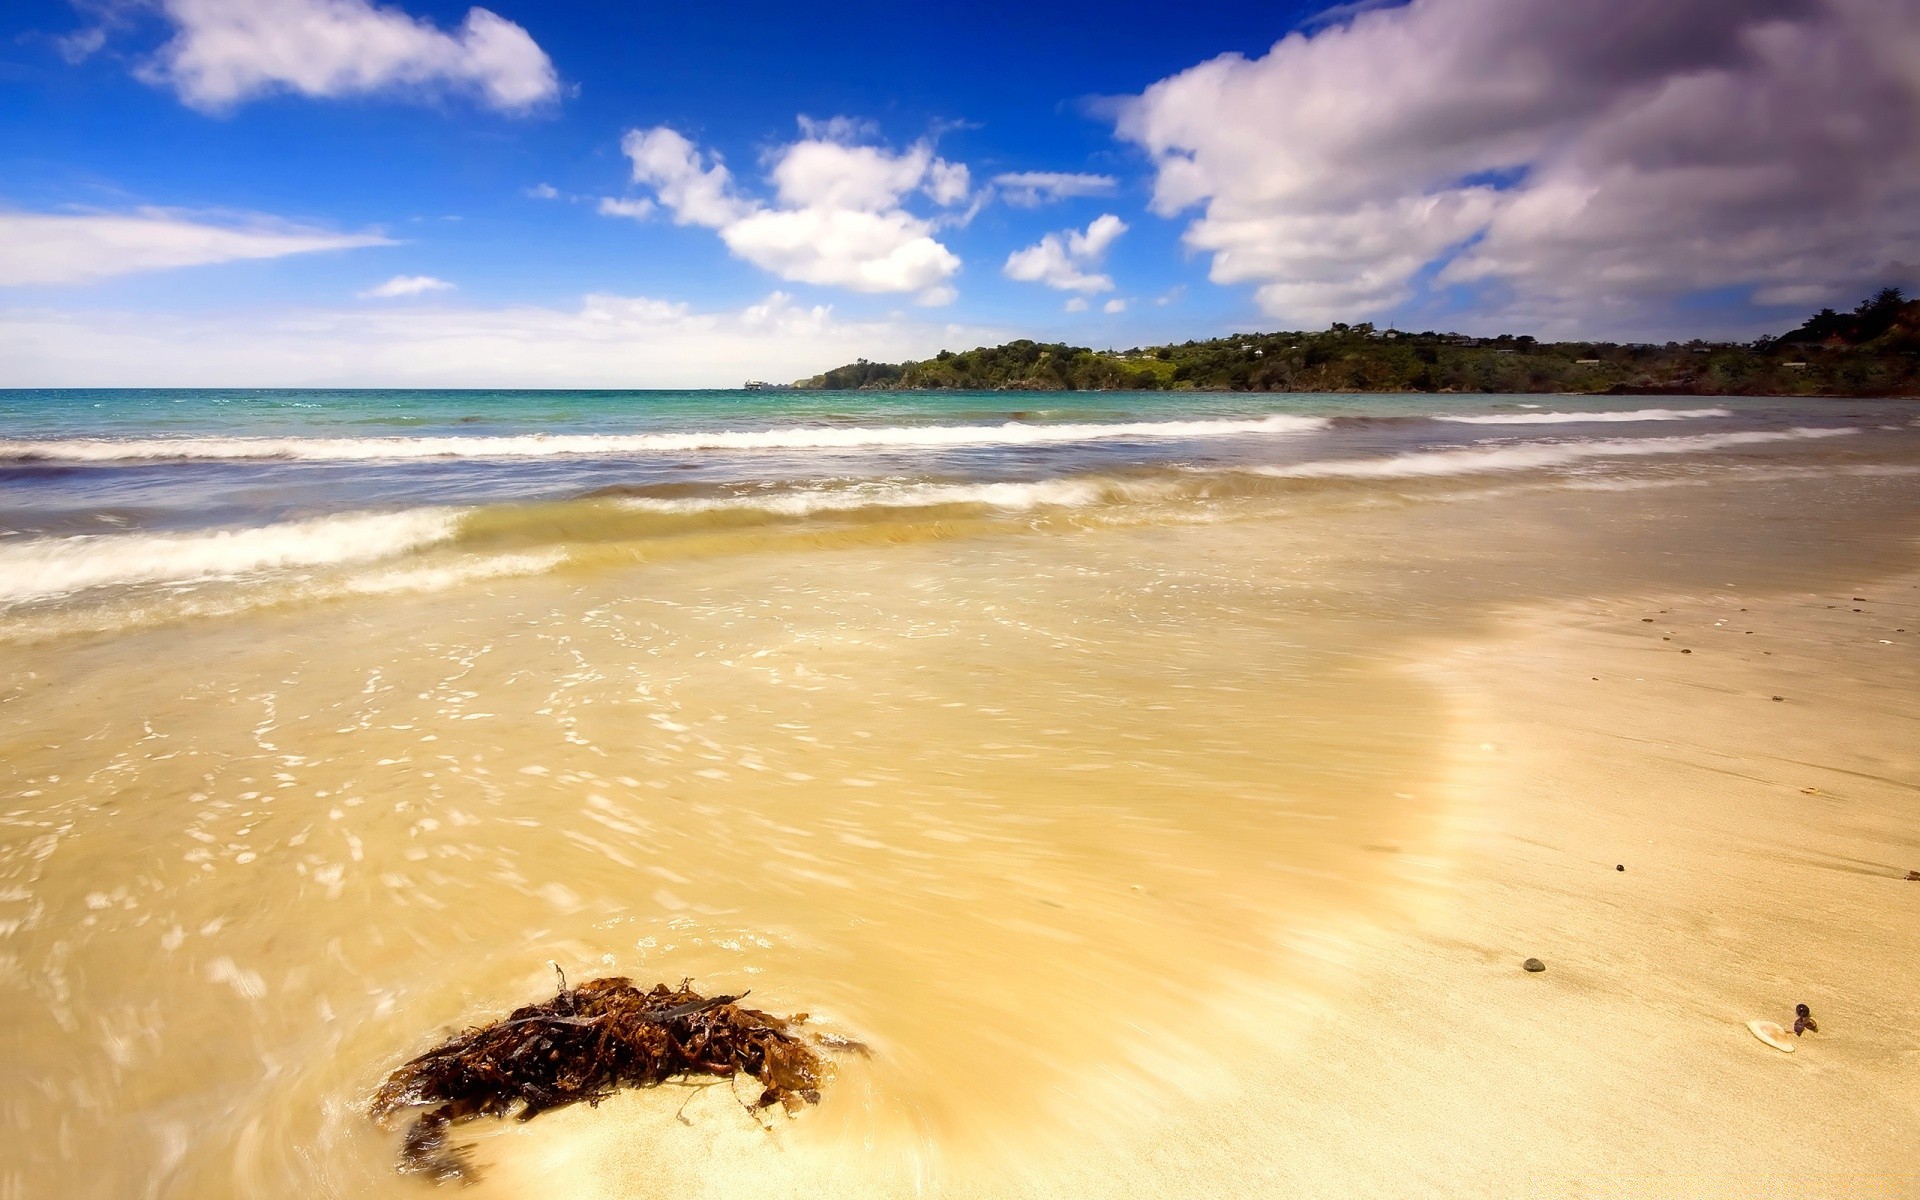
<point x="838" y="215"/>
<point x="607" y="341"/>
<point x="81" y="248"/>
<point x="1572" y="159"/>
<point x="227" y="51"/>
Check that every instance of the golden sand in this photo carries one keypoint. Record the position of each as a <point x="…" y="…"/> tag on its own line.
<point x="1195" y="860"/>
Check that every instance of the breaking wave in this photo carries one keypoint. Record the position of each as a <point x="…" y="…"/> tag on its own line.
<point x="1011" y="497"/>
<point x="1012" y="433"/>
<point x="45" y="568"/>
<point x="1590" y="418"/>
<point x="1528" y="456"/>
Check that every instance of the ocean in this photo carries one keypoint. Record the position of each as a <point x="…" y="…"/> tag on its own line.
<point x="1061" y="748"/>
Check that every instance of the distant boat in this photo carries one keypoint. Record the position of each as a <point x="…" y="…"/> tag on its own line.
<point x="761" y="385"/>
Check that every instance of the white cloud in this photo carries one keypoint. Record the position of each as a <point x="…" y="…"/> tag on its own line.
<point x="406" y="285"/>
<point x="1066" y="260"/>
<point x="1581" y="160"/>
<point x="607" y="341"/>
<point x="83" y="247"/>
<point x="1030" y="188"/>
<point x="639" y="208"/>
<point x="1115" y="305"/>
<point x="544" y="191"/>
<point x="1076" y="305"/>
<point x="838" y="216"/>
<point x="227" y="51"/>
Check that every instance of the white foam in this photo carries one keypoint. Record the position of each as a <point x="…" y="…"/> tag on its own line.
<point x="1047" y="493"/>
<point x="48" y="567"/>
<point x="1589" y="418"/>
<point x="539" y="445"/>
<point x="1532" y="455"/>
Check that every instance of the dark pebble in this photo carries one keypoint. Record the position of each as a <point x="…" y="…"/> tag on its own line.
<point x="1534" y="964"/>
<point x="1619" y="866"/>
<point x="1686" y="652"/>
<point x="1779" y="697"/>
<point x="1803" y="1021"/>
<point x="1913" y="876"/>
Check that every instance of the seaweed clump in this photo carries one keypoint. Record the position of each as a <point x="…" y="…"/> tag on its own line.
<point x="585" y="1044"/>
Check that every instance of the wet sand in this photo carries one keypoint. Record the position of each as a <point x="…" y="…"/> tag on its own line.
<point x="1766" y="846"/>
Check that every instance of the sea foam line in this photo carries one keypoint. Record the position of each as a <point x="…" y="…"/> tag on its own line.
<point x="539" y="445"/>
<point x="1007" y="496"/>
<point x="1589" y="418"/>
<point x="1532" y="455"/>
<point x="44" y="568"/>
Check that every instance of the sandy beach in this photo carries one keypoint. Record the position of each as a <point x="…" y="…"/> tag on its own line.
<point x="1162" y="831"/>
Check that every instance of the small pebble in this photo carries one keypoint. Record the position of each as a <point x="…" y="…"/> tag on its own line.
<point x="1779" y="697"/>
<point x="1619" y="866"/>
<point x="1686" y="652"/>
<point x="1913" y="876"/>
<point x="1534" y="964"/>
<point x="1803" y="1021"/>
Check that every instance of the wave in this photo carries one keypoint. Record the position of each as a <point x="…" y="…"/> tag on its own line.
<point x="45" y="568"/>
<point x="540" y="445"/>
<point x="1589" y="418"/>
<point x="1532" y="455"/>
<point x="1014" y="497"/>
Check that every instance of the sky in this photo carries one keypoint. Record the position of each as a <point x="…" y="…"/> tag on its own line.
<point x="343" y="193"/>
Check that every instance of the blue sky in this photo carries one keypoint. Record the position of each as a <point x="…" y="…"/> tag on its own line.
<point x="330" y="191"/>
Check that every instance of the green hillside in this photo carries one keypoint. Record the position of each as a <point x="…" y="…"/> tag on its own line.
<point x="1873" y="350"/>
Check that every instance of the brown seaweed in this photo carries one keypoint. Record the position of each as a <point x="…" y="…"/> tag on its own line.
<point x="585" y="1044"/>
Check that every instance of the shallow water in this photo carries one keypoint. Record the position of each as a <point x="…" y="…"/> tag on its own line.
<point x="1060" y="770"/>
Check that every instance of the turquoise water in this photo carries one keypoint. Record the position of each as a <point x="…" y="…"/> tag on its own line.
<point x="104" y="490"/>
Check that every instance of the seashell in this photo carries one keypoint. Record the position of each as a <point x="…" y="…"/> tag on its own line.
<point x="1772" y="1034"/>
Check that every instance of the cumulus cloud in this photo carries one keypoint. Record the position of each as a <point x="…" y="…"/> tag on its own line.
<point x="838" y="215"/>
<point x="84" y="247"/>
<point x="1115" y="305"/>
<point x="1574" y="158"/>
<point x="1066" y="260"/>
<point x="226" y="51"/>
<point x="1027" y="189"/>
<point x="406" y="285"/>
<point x="604" y="341"/>
<point x="1076" y="305"/>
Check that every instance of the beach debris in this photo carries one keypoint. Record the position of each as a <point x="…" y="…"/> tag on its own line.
<point x="585" y="1044"/>
<point x="1619" y="866"/>
<point x="1533" y="964"/>
<point x="1686" y="652"/>
<point x="1803" y="1021"/>
<point x="1913" y="876"/>
<point x="1779" y="697"/>
<point x="1772" y="1034"/>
